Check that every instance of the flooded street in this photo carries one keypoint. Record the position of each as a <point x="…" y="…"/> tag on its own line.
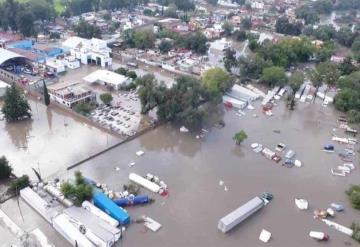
<point x="193" y="168"/>
<point x="50" y="141"/>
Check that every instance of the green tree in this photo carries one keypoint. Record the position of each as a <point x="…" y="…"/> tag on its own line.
<point x="296" y="80"/>
<point x="144" y="39"/>
<point x="85" y="108"/>
<point x="165" y="46"/>
<point x="354" y="195"/>
<point x="15" y="105"/>
<point x="19" y="184"/>
<point x="355" y="47"/>
<point x="106" y="98"/>
<point x="229" y="59"/>
<point x="285" y="27"/>
<point x="272" y="76"/>
<point x="240" y="35"/>
<point x="228" y="28"/>
<point x="216" y="81"/>
<point x="46" y="94"/>
<point x="131" y="74"/>
<point x="347" y="66"/>
<point x="329" y="73"/>
<point x="246" y="23"/>
<point x="345" y="36"/>
<point x="78" y="192"/>
<point x="356" y="231"/>
<point x="25" y="22"/>
<point x="323" y="6"/>
<point x="239" y="137"/>
<point x="87" y="31"/>
<point x="308" y="14"/>
<point x="5" y="168"/>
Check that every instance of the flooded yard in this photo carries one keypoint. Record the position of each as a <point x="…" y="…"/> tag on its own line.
<point x="49" y="142"/>
<point x="193" y="168"/>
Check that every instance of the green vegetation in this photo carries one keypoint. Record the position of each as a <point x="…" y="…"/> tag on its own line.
<point x="106" y="98"/>
<point x="356" y="228"/>
<point x="180" y="104"/>
<point x="87" y="31"/>
<point x="354" y="195"/>
<point x="216" y="81"/>
<point x="78" y="192"/>
<point x="348" y="99"/>
<point x="239" y="137"/>
<point x="274" y="76"/>
<point x="19" y="184"/>
<point x="15" y="105"/>
<point x="228" y="28"/>
<point x="85" y="108"/>
<point x="46" y="95"/>
<point x="5" y="168"/>
<point x="285" y="27"/>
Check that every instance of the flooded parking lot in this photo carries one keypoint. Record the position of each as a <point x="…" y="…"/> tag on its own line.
<point x="43" y="142"/>
<point x="192" y="169"/>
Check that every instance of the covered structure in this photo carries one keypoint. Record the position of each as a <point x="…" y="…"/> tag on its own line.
<point x="108" y="78"/>
<point x="9" y="58"/>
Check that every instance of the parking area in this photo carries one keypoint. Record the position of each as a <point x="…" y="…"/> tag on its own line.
<point x="123" y="116"/>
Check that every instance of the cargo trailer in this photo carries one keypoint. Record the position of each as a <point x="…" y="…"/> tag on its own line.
<point x="38" y="204"/>
<point x="99" y="213"/>
<point x="66" y="228"/>
<point x="101" y="229"/>
<point x="108" y="206"/>
<point x="242" y="213"/>
<point x="144" y="182"/>
<point x="129" y="201"/>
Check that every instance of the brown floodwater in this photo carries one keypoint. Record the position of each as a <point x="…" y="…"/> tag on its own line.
<point x="192" y="169"/>
<point x="52" y="140"/>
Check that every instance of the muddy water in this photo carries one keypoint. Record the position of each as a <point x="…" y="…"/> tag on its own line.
<point x="50" y="142"/>
<point x="192" y="168"/>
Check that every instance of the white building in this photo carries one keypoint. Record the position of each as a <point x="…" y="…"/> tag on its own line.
<point x="89" y="51"/>
<point x="108" y="78"/>
<point x="56" y="66"/>
<point x="3" y="87"/>
<point x="70" y="94"/>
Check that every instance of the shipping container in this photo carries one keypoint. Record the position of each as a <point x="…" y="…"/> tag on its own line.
<point x="144" y="182"/>
<point x="237" y="216"/>
<point x="99" y="213"/>
<point x="129" y="201"/>
<point x="108" y="206"/>
<point x="92" y="223"/>
<point x="38" y="204"/>
<point x="58" y="195"/>
<point x="66" y="228"/>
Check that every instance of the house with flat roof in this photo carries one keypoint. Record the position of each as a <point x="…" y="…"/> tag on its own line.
<point x="108" y="78"/>
<point x="89" y="51"/>
<point x="70" y="94"/>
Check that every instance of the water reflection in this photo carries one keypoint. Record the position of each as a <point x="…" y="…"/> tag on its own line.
<point x="49" y="116"/>
<point x="19" y="133"/>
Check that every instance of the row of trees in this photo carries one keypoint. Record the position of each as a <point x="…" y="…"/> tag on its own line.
<point x="19" y="16"/>
<point x="183" y="102"/>
<point x="197" y="42"/>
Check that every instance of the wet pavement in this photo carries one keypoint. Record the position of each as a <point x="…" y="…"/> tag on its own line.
<point x="192" y="169"/>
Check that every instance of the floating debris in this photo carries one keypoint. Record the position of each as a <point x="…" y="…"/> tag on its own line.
<point x="265" y="236"/>
<point x="140" y="153"/>
<point x="301" y="203"/>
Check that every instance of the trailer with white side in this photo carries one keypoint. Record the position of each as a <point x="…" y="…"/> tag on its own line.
<point x="92" y="223"/>
<point x="240" y="214"/>
<point x="38" y="204"/>
<point x="99" y="213"/>
<point x="144" y="182"/>
<point x="67" y="228"/>
<point x="58" y="195"/>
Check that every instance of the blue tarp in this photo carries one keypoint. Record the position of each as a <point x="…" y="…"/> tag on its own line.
<point x="108" y="206"/>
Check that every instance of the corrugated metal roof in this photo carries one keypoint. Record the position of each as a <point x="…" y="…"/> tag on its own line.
<point x="6" y="55"/>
